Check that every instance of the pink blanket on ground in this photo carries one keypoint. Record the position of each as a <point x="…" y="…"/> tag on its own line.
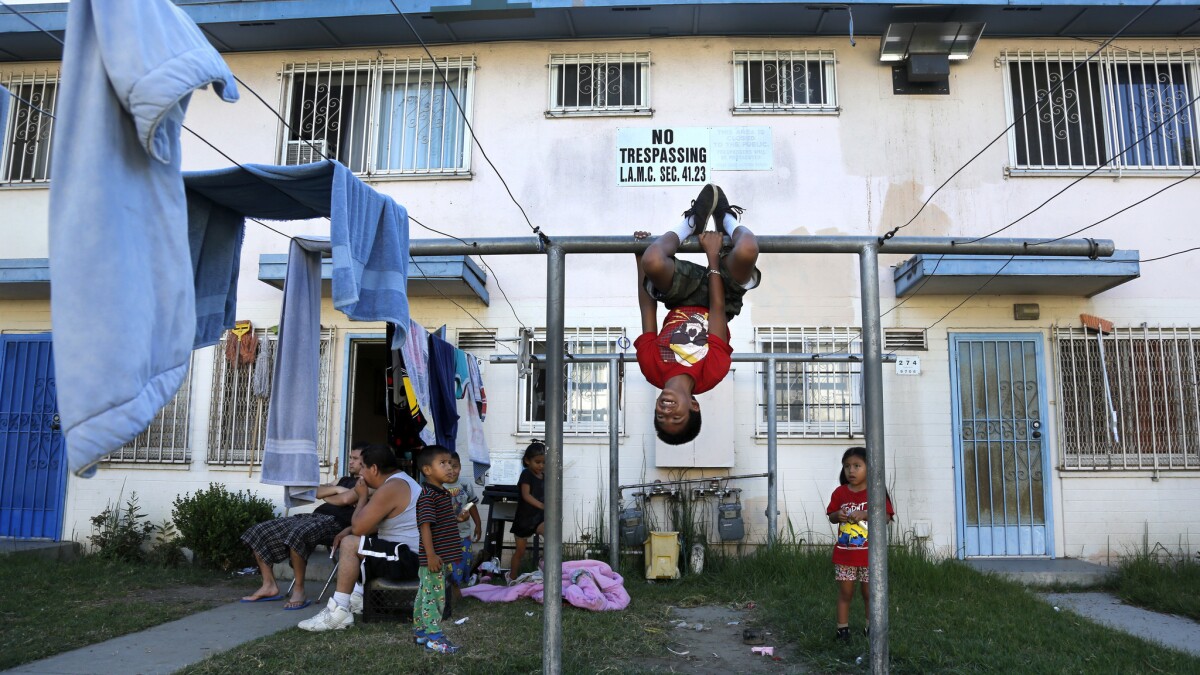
<point x="589" y="584"/>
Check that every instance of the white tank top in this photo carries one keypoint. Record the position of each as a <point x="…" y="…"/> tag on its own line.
<point x="402" y="528"/>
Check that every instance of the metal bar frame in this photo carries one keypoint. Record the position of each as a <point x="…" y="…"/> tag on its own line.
<point x="867" y="249"/>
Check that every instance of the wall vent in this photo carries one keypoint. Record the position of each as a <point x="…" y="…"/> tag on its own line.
<point x="477" y="339"/>
<point x="905" y="340"/>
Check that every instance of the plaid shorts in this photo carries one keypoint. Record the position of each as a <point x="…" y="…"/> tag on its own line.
<point x="689" y="287"/>
<point x="272" y="539"/>
<point x="461" y="570"/>
<point x="850" y="573"/>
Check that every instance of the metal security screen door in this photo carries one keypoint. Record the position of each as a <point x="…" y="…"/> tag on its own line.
<point x="1001" y="461"/>
<point x="33" y="470"/>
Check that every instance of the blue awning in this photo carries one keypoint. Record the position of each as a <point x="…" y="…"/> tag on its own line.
<point x="453" y="276"/>
<point x="1033" y="275"/>
<point x="24" y="278"/>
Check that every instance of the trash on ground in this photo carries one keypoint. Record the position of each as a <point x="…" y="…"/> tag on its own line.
<point x="528" y="613"/>
<point x="753" y="636"/>
<point x="765" y="651"/>
<point x="461" y="621"/>
<point x="733" y="623"/>
<point x="677" y="653"/>
<point x="698" y="627"/>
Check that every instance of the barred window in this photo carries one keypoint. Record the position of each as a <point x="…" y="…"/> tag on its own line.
<point x="237" y="427"/>
<point x="585" y="410"/>
<point x="815" y="400"/>
<point x="380" y="116"/>
<point x="1152" y="376"/>
<point x="1135" y="109"/>
<point x="25" y="153"/>
<point x="165" y="441"/>
<point x="784" y="82"/>
<point x="599" y="84"/>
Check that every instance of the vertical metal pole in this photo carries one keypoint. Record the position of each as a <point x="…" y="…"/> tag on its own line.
<point x="614" y="479"/>
<point x="556" y="260"/>
<point x="868" y="262"/>
<point x="772" y="462"/>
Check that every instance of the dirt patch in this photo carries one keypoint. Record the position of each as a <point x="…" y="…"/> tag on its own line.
<point x="709" y="640"/>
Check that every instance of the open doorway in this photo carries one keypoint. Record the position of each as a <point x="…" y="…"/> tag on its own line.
<point x="366" y="404"/>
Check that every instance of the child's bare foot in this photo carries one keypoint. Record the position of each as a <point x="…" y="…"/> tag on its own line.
<point x="264" y="592"/>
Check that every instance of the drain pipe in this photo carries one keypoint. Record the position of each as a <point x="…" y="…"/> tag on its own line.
<point x="614" y="451"/>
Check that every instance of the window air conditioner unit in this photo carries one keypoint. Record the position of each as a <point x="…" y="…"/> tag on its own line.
<point x="306" y="152"/>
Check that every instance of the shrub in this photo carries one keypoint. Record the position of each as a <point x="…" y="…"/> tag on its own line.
<point x="168" y="547"/>
<point x="211" y="521"/>
<point x="119" y="534"/>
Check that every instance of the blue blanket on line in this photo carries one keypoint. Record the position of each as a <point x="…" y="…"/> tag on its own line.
<point x="368" y="232"/>
<point x="123" y="306"/>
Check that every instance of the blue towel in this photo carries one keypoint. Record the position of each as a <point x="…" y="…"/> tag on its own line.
<point x="441" y="391"/>
<point x="215" y="235"/>
<point x="290" y="457"/>
<point x="368" y="231"/>
<point x="123" y="306"/>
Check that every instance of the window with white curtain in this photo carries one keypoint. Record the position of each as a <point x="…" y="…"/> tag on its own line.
<point x="1123" y="111"/>
<point x="25" y="152"/>
<point x="381" y="116"/>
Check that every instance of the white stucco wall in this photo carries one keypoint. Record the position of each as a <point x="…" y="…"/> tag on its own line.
<point x="859" y="172"/>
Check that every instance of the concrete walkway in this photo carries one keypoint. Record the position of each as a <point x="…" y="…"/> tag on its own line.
<point x="171" y="646"/>
<point x="1172" y="631"/>
<point x="1043" y="571"/>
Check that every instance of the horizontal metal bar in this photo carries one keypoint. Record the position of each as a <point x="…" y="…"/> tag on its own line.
<point x="752" y="357"/>
<point x="772" y="244"/>
<point x="693" y="480"/>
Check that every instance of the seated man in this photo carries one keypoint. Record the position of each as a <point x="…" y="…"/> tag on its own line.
<point x="274" y="541"/>
<point x="382" y="541"/>
<point x="690" y="355"/>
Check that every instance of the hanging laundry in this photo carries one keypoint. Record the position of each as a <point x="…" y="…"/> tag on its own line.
<point x="441" y="391"/>
<point x="290" y="454"/>
<point x="462" y="373"/>
<point x="404" y="415"/>
<point x="479" y="395"/>
<point x="368" y="231"/>
<point x="415" y="352"/>
<point x="123" y="310"/>
<point x="476" y="442"/>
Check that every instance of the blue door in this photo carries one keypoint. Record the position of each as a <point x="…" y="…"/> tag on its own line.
<point x="33" y="469"/>
<point x="1001" y="463"/>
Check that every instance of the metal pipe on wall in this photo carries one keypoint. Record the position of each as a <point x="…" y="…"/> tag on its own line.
<point x="772" y="462"/>
<point x="614" y="477"/>
<point x="556" y="260"/>
<point x="877" y="518"/>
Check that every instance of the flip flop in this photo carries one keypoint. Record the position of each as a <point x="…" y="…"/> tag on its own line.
<point x="300" y="606"/>
<point x="270" y="599"/>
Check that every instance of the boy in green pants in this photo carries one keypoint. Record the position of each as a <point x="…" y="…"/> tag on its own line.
<point x="440" y="548"/>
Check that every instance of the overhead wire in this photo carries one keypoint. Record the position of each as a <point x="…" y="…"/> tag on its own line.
<point x="241" y="166"/>
<point x="462" y="111"/>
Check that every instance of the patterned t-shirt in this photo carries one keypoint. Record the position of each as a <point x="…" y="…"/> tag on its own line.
<point x="851" y="546"/>
<point x="435" y="506"/>
<point x="684" y="346"/>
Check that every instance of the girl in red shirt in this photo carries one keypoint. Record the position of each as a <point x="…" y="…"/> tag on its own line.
<point x="848" y="510"/>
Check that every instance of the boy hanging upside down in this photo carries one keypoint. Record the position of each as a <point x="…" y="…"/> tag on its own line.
<point x="690" y="355"/>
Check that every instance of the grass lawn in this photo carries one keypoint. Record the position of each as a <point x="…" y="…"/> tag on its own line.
<point x="51" y="607"/>
<point x="945" y="617"/>
<point x="1168" y="584"/>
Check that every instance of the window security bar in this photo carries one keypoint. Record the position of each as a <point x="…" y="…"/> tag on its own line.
<point x="1133" y="107"/>
<point x="599" y="84"/>
<point x="25" y="152"/>
<point x="165" y="441"/>
<point x="787" y="82"/>
<point x="1154" y="375"/>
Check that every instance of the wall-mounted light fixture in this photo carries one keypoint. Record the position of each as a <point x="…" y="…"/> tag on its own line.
<point x="1027" y="311"/>
<point x="922" y="53"/>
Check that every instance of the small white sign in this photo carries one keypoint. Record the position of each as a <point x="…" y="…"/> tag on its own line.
<point x="908" y="365"/>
